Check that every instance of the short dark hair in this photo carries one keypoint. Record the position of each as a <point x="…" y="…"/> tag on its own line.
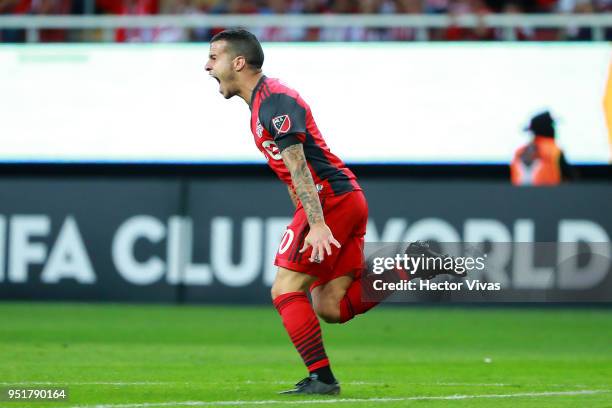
<point x="243" y="43"/>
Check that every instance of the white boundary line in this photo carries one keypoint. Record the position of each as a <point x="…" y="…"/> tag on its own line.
<point x="341" y="400"/>
<point x="249" y="382"/>
<point x="58" y="383"/>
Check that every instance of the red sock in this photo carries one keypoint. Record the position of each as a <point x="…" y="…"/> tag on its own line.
<point x="353" y="304"/>
<point x="303" y="327"/>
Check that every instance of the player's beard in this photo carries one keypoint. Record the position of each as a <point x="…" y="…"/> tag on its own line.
<point x="228" y="86"/>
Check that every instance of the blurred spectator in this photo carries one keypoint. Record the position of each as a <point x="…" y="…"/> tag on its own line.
<point x="234" y="7"/>
<point x="131" y="7"/>
<point x="314" y="7"/>
<point x="50" y="7"/>
<point x="13" y="7"/>
<point x="540" y="162"/>
<point x="365" y="33"/>
<point x="436" y="6"/>
<point x="43" y="7"/>
<point x="545" y="6"/>
<point x="576" y="33"/>
<point x="176" y="34"/>
<point x="338" y="33"/>
<point x="461" y="7"/>
<point x="281" y="33"/>
<point x="405" y="7"/>
<point x="519" y="33"/>
<point x="454" y="8"/>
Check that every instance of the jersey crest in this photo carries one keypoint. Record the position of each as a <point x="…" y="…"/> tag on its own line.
<point x="282" y="123"/>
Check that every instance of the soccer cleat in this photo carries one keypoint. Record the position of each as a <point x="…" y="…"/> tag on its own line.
<point x="312" y="385"/>
<point x="422" y="249"/>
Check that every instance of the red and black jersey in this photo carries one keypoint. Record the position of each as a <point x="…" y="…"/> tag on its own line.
<point x="280" y="118"/>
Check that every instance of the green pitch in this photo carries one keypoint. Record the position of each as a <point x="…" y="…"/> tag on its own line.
<point x="148" y="356"/>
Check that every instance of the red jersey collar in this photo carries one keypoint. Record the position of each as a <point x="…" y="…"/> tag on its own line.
<point x="259" y="83"/>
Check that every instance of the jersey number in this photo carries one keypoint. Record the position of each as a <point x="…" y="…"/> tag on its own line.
<point x="272" y="149"/>
<point x="285" y="241"/>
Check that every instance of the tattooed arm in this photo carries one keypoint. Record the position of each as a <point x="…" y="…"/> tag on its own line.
<point x="304" y="185"/>
<point x="320" y="236"/>
<point x="293" y="196"/>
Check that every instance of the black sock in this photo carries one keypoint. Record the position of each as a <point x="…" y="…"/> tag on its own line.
<point x="324" y="374"/>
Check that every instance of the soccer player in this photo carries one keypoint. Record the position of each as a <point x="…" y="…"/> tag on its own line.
<point x="322" y="248"/>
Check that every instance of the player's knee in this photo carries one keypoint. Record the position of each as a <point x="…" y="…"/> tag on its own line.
<point x="275" y="291"/>
<point x="330" y="316"/>
<point x="328" y="312"/>
<point x="287" y="281"/>
<point x="280" y="288"/>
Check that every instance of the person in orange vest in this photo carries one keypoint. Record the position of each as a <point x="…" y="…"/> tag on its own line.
<point x="540" y="162"/>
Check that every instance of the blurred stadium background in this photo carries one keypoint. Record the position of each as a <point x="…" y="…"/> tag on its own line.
<point x="138" y="224"/>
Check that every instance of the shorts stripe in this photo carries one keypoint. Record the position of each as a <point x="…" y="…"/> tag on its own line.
<point x="298" y="244"/>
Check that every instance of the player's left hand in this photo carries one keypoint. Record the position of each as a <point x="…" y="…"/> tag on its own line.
<point x="320" y="238"/>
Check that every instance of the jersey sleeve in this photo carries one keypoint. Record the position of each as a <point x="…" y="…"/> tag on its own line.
<point x="284" y="118"/>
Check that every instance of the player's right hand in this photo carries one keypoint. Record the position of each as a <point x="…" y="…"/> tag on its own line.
<point x="320" y="238"/>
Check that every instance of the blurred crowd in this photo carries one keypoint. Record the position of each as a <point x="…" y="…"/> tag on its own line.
<point x="281" y="7"/>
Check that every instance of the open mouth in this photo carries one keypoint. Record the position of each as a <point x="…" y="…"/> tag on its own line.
<point x="218" y="81"/>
